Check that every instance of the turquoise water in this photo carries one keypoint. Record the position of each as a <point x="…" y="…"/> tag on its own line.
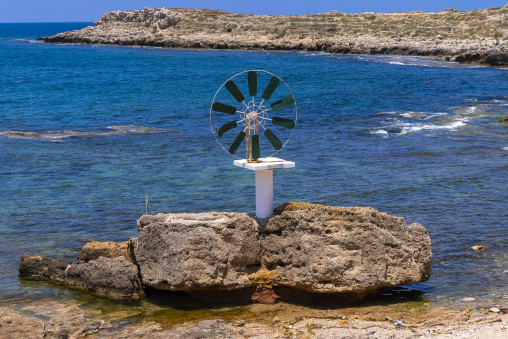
<point x="87" y="131"/>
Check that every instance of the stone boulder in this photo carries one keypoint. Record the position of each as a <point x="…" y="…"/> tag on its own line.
<point x="503" y="122"/>
<point x="308" y="249"/>
<point x="353" y="251"/>
<point x="197" y="251"/>
<point x="95" y="249"/>
<point x="114" y="278"/>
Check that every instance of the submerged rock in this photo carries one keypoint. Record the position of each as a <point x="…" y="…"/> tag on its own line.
<point x="114" y="278"/>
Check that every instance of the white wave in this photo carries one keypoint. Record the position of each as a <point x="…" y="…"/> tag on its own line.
<point x="416" y="128"/>
<point x="379" y="131"/>
<point x="414" y="115"/>
<point x="419" y="61"/>
<point x="433" y="115"/>
<point x="504" y="148"/>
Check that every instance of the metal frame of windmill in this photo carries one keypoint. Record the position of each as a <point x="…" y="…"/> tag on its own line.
<point x="255" y="115"/>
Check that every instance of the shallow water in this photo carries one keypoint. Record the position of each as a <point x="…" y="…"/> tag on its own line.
<point x="87" y="131"/>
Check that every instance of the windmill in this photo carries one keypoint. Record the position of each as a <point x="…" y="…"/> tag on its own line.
<point x="265" y="123"/>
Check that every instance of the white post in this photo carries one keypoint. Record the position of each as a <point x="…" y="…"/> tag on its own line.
<point x="264" y="193"/>
<point x="264" y="181"/>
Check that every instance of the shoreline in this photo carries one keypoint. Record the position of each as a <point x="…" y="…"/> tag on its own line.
<point x="449" y="36"/>
<point x="185" y="318"/>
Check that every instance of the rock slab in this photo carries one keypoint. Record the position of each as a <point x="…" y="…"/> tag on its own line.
<point x="115" y="278"/>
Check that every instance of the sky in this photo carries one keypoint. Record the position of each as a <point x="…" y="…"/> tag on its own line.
<point x="92" y="10"/>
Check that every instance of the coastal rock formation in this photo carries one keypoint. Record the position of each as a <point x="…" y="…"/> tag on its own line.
<point x="114" y="278"/>
<point x="184" y="252"/>
<point x="306" y="253"/>
<point x="503" y="122"/>
<point x="353" y="250"/>
<point x="155" y="18"/>
<point x="95" y="249"/>
<point x="474" y="36"/>
<point x="308" y="248"/>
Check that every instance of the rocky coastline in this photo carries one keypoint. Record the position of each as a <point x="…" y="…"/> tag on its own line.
<point x="479" y="36"/>
<point x="306" y="254"/>
<point x="301" y="272"/>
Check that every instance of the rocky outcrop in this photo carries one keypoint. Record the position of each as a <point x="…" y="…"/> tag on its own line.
<point x="503" y="122"/>
<point x="154" y="18"/>
<point x="306" y="253"/>
<point x="353" y="251"/>
<point x="95" y="249"/>
<point x="492" y="58"/>
<point x="474" y="36"/>
<point x="114" y="278"/>
<point x="350" y="252"/>
<point x="186" y="252"/>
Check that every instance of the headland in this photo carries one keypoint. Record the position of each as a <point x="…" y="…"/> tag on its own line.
<point x="479" y="36"/>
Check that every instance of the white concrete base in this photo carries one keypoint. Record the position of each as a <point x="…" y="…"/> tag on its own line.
<point x="264" y="181"/>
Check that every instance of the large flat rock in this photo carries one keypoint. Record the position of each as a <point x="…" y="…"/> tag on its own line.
<point x="306" y="253"/>
<point x="115" y="278"/>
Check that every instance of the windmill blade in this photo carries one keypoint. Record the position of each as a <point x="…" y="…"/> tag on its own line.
<point x="226" y="127"/>
<point x="231" y="87"/>
<point x="272" y="86"/>
<point x="276" y="143"/>
<point x="256" y="152"/>
<point x="253" y="83"/>
<point x="220" y="107"/>
<point x="286" y="123"/>
<point x="237" y="142"/>
<point x="285" y="102"/>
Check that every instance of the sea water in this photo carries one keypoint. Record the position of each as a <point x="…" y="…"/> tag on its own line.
<point x="86" y="131"/>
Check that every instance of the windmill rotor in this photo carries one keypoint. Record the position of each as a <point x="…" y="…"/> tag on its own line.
<point x="264" y="124"/>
